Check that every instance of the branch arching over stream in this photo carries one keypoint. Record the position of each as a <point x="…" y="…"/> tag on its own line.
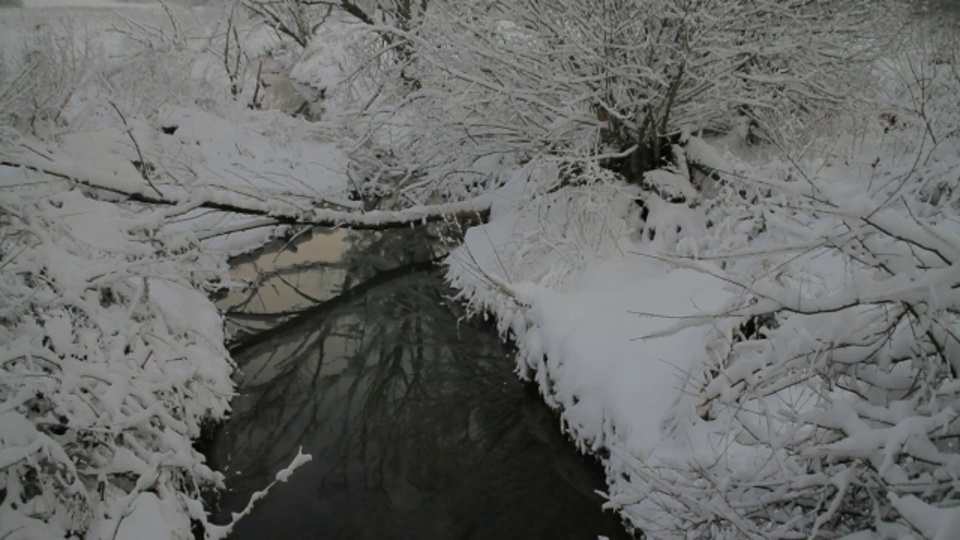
<point x="278" y="212"/>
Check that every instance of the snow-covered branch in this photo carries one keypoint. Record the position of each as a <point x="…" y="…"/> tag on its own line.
<point x="294" y="210"/>
<point x="112" y="360"/>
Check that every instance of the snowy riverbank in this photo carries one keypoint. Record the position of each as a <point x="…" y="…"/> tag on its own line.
<point x="112" y="355"/>
<point x="691" y="346"/>
<point x="113" y="361"/>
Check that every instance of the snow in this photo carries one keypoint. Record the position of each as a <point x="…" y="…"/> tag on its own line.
<point x="146" y="520"/>
<point x="114" y="338"/>
<point x="298" y="461"/>
<point x="604" y="370"/>
<point x="932" y="522"/>
<point x="326" y="62"/>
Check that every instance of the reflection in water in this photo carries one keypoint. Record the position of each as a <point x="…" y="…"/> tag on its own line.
<point x="286" y="279"/>
<point x="417" y="427"/>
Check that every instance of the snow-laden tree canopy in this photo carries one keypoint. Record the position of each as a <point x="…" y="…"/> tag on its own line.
<point x="613" y="82"/>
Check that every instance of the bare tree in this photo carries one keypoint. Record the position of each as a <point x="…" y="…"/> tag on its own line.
<point x="611" y="82"/>
<point x="298" y="19"/>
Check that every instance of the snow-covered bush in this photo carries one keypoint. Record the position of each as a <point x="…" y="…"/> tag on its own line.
<point x="111" y="353"/>
<point x="64" y="73"/>
<point x="828" y="401"/>
<point x="830" y="391"/>
<point x="561" y="231"/>
<point x="41" y="75"/>
<point x="112" y="359"/>
<point x="919" y="81"/>
<point x="609" y="82"/>
<point x="293" y="19"/>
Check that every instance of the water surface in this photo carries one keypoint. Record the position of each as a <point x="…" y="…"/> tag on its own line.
<point x="417" y="425"/>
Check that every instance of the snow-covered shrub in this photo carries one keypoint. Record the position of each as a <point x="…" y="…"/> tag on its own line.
<point x="561" y="230"/>
<point x="64" y="73"/>
<point x="828" y="401"/>
<point x="609" y="82"/>
<point x="921" y="108"/>
<point x="43" y="74"/>
<point x="830" y="392"/>
<point x="178" y="58"/>
<point x="111" y="359"/>
<point x="293" y="19"/>
<point x="111" y="354"/>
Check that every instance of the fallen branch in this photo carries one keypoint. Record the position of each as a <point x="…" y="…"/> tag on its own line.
<point x="282" y="213"/>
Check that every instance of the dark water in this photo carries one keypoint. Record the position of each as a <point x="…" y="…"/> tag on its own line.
<point x="417" y="426"/>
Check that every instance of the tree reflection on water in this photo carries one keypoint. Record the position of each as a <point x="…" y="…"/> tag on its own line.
<point x="287" y="279"/>
<point x="417" y="427"/>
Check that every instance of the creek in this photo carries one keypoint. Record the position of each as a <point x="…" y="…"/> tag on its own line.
<point x="354" y="351"/>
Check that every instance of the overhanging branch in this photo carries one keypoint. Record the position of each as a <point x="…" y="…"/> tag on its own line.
<point x="285" y="213"/>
